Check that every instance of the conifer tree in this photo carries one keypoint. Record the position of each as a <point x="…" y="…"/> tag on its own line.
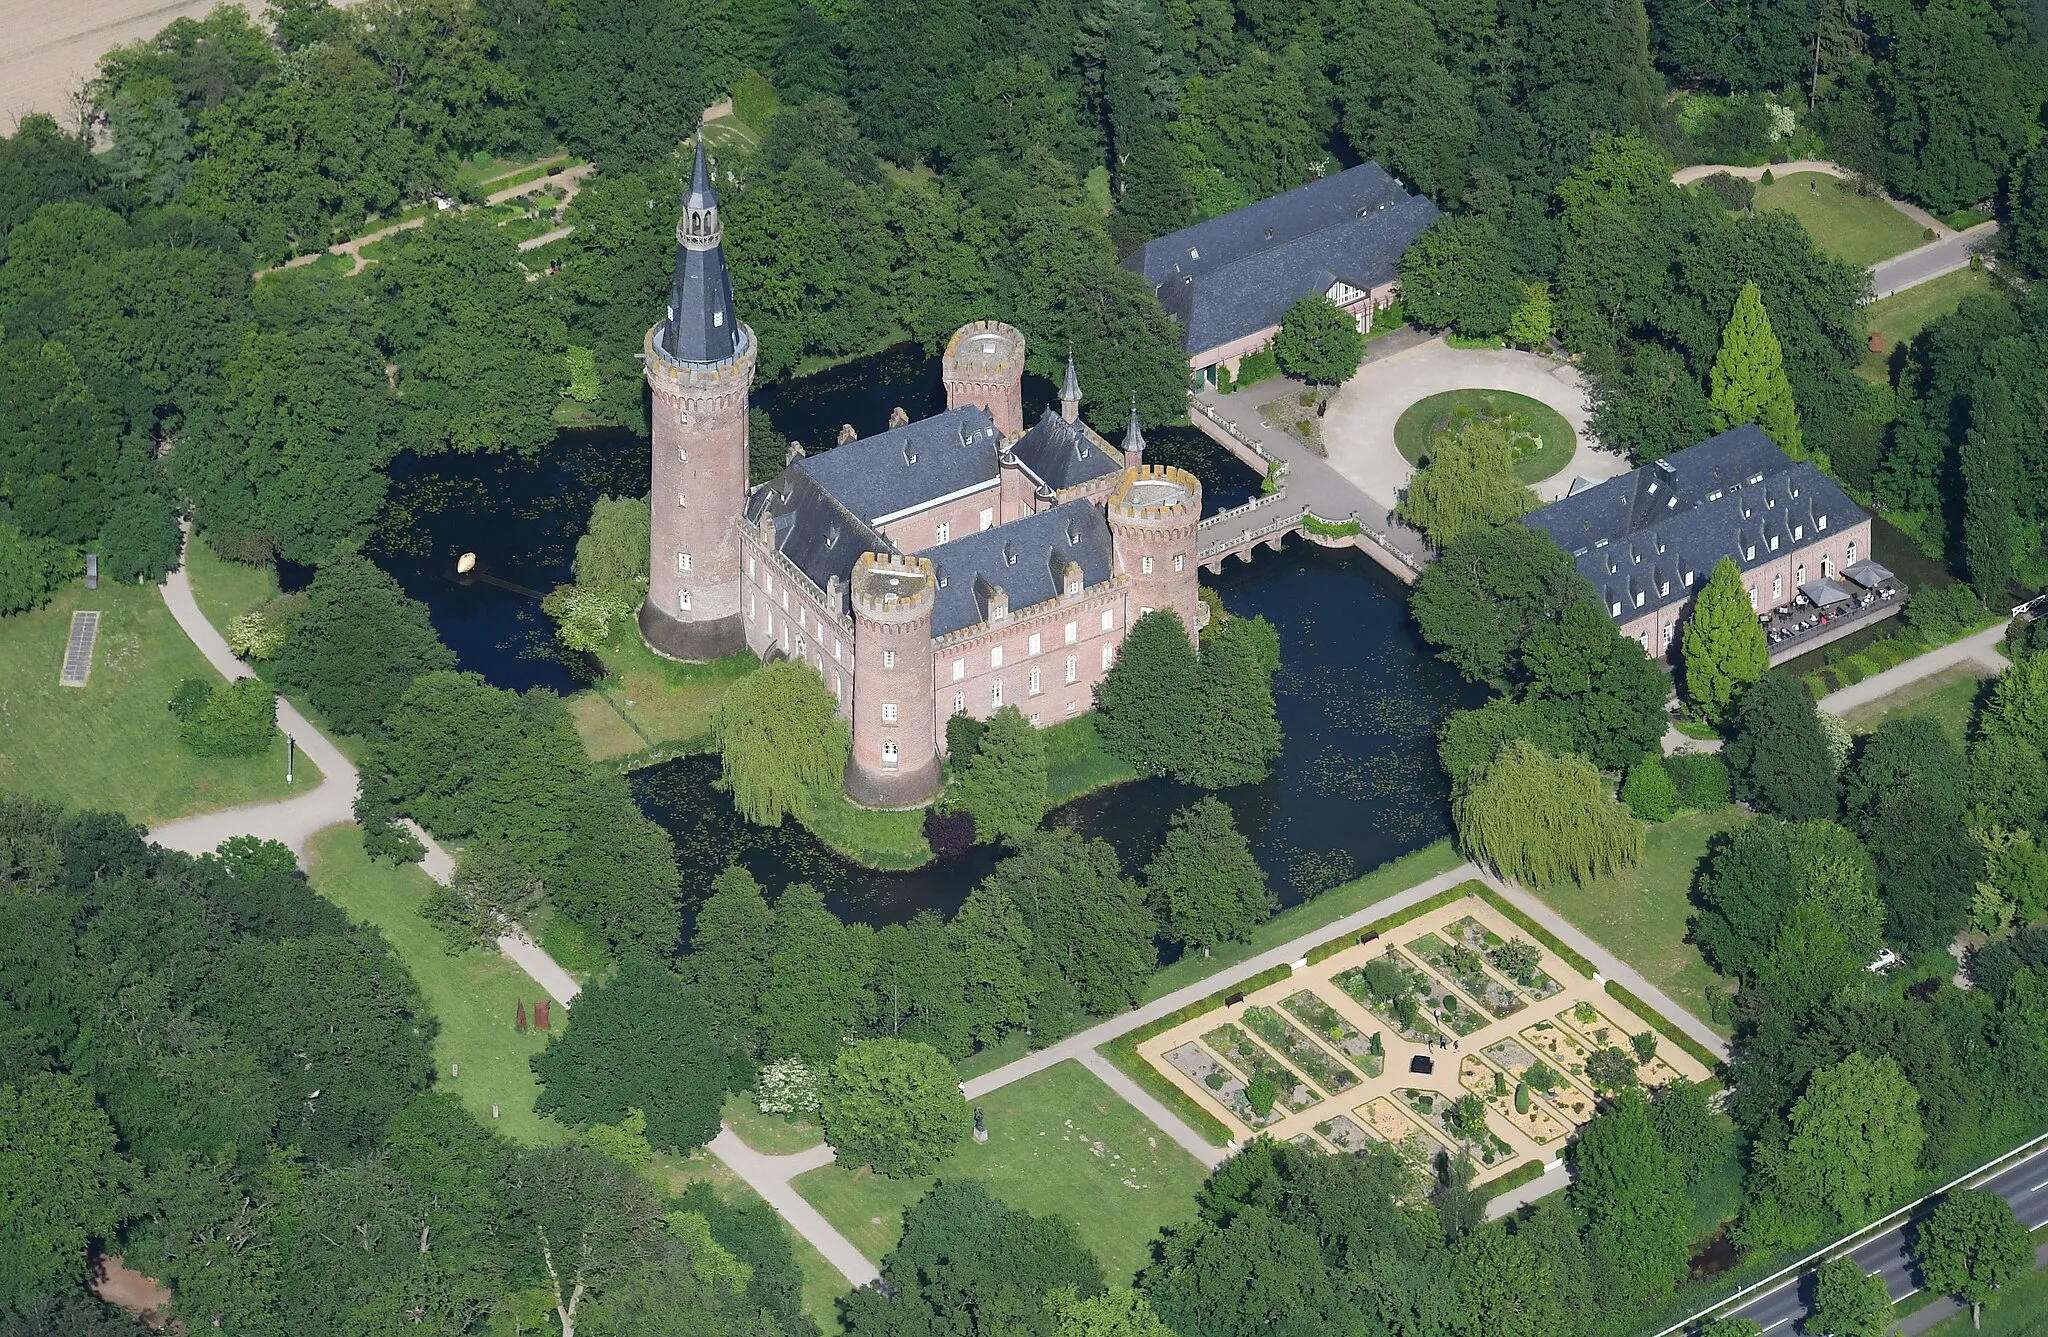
<point x="1748" y="379"/>
<point x="1534" y="322"/>
<point x="1990" y="459"/>
<point x="1723" y="644"/>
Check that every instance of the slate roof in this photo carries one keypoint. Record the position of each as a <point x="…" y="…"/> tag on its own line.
<point x="701" y="326"/>
<point x="906" y="467"/>
<point x="1063" y="454"/>
<point x="803" y="522"/>
<point x="1025" y="557"/>
<point x="1638" y="537"/>
<point x="1231" y="276"/>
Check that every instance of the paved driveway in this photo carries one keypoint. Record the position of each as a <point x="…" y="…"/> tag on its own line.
<point x="1359" y="425"/>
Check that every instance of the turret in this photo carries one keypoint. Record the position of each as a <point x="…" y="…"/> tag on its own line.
<point x="984" y="365"/>
<point x="1134" y="441"/>
<point x="1154" y="514"/>
<point x="1070" y="392"/>
<point x="895" y="757"/>
<point x="700" y="366"/>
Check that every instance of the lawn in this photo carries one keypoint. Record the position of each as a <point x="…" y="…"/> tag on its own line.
<point x="473" y="995"/>
<point x="1059" y="1143"/>
<point x="670" y="705"/>
<point x="771" y="1134"/>
<point x="1950" y="696"/>
<point x="870" y="837"/>
<point x="823" y="1283"/>
<point x="2020" y="1310"/>
<point x="113" y="743"/>
<point x="1077" y="763"/>
<point x="225" y="590"/>
<point x="1310" y="915"/>
<point x="1553" y="439"/>
<point x="1861" y="229"/>
<point x="1899" y="317"/>
<point x="1640" y="915"/>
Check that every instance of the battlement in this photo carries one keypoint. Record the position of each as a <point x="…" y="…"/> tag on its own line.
<point x="985" y="350"/>
<point x="1153" y="493"/>
<point x="891" y="588"/>
<point x="697" y="379"/>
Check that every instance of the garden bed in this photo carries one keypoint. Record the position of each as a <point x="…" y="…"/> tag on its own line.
<point x="1310" y="1009"/>
<point x="1565" y="1099"/>
<point x="1485" y="941"/>
<point x="1442" y="1002"/>
<point x="1226" y="1087"/>
<point x="1386" y="1120"/>
<point x="1432" y="1106"/>
<point x="1287" y="1040"/>
<point x="1299" y="413"/>
<point x="1245" y="1054"/>
<point x="1343" y="1133"/>
<point x="1542" y="441"/>
<point x="1352" y="982"/>
<point x="1526" y="1113"/>
<point x="1467" y="968"/>
<point x="1601" y="1031"/>
<point x="1565" y="1053"/>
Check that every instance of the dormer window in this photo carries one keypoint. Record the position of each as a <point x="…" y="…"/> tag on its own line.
<point x="1820" y="522"/>
<point x="1615" y="611"/>
<point x="1664" y="590"/>
<point x="717" y="319"/>
<point x="1009" y="555"/>
<point x="1749" y="553"/>
<point x="1774" y="543"/>
<point x="1639" y="598"/>
<point x="1798" y="532"/>
<point x="1715" y="495"/>
<point x="1756" y="478"/>
<point x="1688" y="580"/>
<point x="1194" y="254"/>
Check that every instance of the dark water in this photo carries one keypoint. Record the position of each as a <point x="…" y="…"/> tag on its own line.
<point x="1360" y="698"/>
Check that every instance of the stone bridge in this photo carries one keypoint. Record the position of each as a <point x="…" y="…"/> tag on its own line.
<point x="1309" y="498"/>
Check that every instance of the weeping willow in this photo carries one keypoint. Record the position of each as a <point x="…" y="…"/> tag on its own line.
<point x="1541" y="819"/>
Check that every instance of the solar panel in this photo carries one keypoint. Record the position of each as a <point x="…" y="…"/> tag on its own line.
<point x="85" y="631"/>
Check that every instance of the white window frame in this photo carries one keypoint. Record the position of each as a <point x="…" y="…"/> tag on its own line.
<point x="995" y="694"/>
<point x="945" y="533"/>
<point x="683" y="601"/>
<point x="959" y="669"/>
<point x="995" y="656"/>
<point x="1034" y="689"/>
<point x="1035" y="645"/>
<point x="888" y="712"/>
<point x="682" y="562"/>
<point x="1145" y="564"/>
<point x="1109" y="619"/>
<point x="889" y="754"/>
<point x="1073" y="669"/>
<point x="1073" y="632"/>
<point x="888" y="659"/>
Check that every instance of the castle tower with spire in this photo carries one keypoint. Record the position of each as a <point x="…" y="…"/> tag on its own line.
<point x="700" y="366"/>
<point x="1070" y="392"/>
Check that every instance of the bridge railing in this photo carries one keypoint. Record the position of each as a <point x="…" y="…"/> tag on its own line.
<point x="1276" y="468"/>
<point x="1256" y="503"/>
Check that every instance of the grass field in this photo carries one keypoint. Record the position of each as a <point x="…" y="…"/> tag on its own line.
<point x="1950" y="696"/>
<point x="771" y="1134"/>
<point x="1059" y="1143"/>
<point x="1076" y="762"/>
<point x="666" y="704"/>
<point x="1420" y="420"/>
<point x="872" y="838"/>
<point x="472" y="995"/>
<point x="823" y="1283"/>
<point x="113" y="743"/>
<point x="1903" y="315"/>
<point x="1861" y="229"/>
<point x="225" y="590"/>
<point x="2020" y="1310"/>
<point x="1310" y="915"/>
<point x="1640" y="915"/>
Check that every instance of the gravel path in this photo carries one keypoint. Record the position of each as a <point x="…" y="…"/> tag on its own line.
<point x="1980" y="649"/>
<point x="769" y="1176"/>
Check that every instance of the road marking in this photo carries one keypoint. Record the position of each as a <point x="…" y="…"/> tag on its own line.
<point x="1781" y="1322"/>
<point x="2038" y="1187"/>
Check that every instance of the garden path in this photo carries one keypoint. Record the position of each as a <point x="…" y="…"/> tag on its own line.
<point x="332" y="802"/>
<point x="1981" y="649"/>
<point x="769" y="1176"/>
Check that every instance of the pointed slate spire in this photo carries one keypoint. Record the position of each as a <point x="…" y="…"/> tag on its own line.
<point x="1070" y="393"/>
<point x="701" y="324"/>
<point x="1134" y="440"/>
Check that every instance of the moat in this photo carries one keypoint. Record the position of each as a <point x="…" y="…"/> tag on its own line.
<point x="1360" y="698"/>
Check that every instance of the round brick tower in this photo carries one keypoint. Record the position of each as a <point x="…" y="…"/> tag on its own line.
<point x="1154" y="514"/>
<point x="895" y="757"/>
<point x="700" y="366"/>
<point x="984" y="366"/>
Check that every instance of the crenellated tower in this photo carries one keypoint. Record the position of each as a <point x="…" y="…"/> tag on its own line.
<point x="984" y="366"/>
<point x="895" y="757"/>
<point x="700" y="366"/>
<point x="1154" y="516"/>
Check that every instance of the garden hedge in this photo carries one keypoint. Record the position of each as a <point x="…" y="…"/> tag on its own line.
<point x="1524" y="1173"/>
<point x="1323" y="951"/>
<point x="1534" y="929"/>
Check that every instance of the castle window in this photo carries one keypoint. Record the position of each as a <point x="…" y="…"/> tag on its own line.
<point x="1852" y="552"/>
<point x="995" y="694"/>
<point x="1827" y="567"/>
<point x="1072" y="707"/>
<point x="1688" y="580"/>
<point x="836" y="690"/>
<point x="1774" y="543"/>
<point x="1035" y="647"/>
<point x="1669" y="627"/>
<point x="682" y="456"/>
<point x="945" y="533"/>
<point x="995" y="657"/>
<point x="1034" y="682"/>
<point x="1615" y="609"/>
<point x="888" y="712"/>
<point x="988" y="518"/>
<point x="1180" y="561"/>
<point x="959" y="669"/>
<point x="750" y="605"/>
<point x="1799" y="574"/>
<point x="1109" y="619"/>
<point x="1749" y="553"/>
<point x="1144" y="612"/>
<point x="1820" y="522"/>
<point x="681" y="501"/>
<point x="1108" y="655"/>
<point x="1148" y="566"/>
<point x="1752" y="598"/>
<point x="1034" y="720"/>
<point x="750" y="564"/>
<point x="889" y="756"/>
<point x="1639" y="598"/>
<point x="683" y="600"/>
<point x="959" y="703"/>
<point x="1071" y="673"/>
<point x="838" y="650"/>
<point x="1073" y="632"/>
<point x="718" y="320"/>
<point x="1777" y="588"/>
<point x="888" y="659"/>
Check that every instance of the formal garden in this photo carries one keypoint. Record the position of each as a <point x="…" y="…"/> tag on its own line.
<point x="1464" y="1037"/>
<point x="1540" y="440"/>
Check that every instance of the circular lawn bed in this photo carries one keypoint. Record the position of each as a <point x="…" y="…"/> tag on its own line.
<point x="1544" y="441"/>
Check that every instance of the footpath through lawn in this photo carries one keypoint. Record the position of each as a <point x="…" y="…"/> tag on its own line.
<point x="1861" y="229"/>
<point x="113" y="743"/>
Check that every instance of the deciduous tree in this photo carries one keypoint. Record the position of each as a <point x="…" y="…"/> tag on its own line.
<point x="1204" y="884"/>
<point x="1970" y="1246"/>
<point x="1539" y="819"/>
<point x="1631" y="1192"/>
<point x="642" y="1040"/>
<point x="64" y="1178"/>
<point x="894" y="1105"/>
<point x="1777" y="752"/>
<point x="781" y="741"/>
<point x="1319" y="341"/>
<point x="1847" y="1303"/>
<point x="1002" y="785"/>
<point x="1465" y="483"/>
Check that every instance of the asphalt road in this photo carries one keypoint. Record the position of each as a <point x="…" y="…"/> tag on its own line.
<point x="2024" y="1184"/>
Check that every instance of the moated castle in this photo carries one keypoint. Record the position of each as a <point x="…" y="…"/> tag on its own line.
<point x="953" y="565"/>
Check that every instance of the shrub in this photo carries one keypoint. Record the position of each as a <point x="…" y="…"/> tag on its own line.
<point x="1732" y="191"/>
<point x="1385" y="979"/>
<point x="254" y="636"/>
<point x="1262" y="1091"/>
<point x="191" y="695"/>
<point x="1540" y="1076"/>
<point x="1517" y="959"/>
<point x="1610" y="1069"/>
<point x="1644" y="1045"/>
<point x="1521" y="1097"/>
<point x="949" y="833"/>
<point x="1467" y="1116"/>
<point x="1263" y="365"/>
<point x="1648" y="790"/>
<point x="31" y="568"/>
<point x="236" y="720"/>
<point x="1701" y="780"/>
<point x="787" y="1086"/>
<point x="1940" y="615"/>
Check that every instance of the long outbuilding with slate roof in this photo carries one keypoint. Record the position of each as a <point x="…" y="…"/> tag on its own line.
<point x="1648" y="539"/>
<point x="1229" y="280"/>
